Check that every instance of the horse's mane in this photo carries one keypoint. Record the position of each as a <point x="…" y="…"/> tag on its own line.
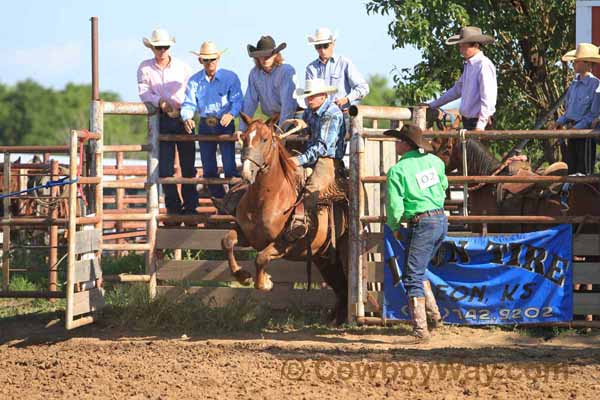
<point x="287" y="165"/>
<point x="480" y="160"/>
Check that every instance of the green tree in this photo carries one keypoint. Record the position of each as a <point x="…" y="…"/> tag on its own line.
<point x="531" y="36"/>
<point x="31" y="114"/>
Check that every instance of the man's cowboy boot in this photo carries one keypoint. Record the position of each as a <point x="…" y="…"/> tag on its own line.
<point x="433" y="312"/>
<point x="416" y="306"/>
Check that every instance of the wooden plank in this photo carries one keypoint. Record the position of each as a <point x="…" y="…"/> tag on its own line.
<point x="87" y="270"/>
<point x="586" y="272"/>
<point x="586" y="303"/>
<point x="281" y="271"/>
<point x="280" y="297"/>
<point x="87" y="241"/>
<point x="194" y="239"/>
<point x="586" y="245"/>
<point x="88" y="301"/>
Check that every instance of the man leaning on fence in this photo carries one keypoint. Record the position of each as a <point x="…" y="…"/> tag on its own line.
<point x="477" y="85"/>
<point x="270" y="83"/>
<point x="337" y="71"/>
<point x="416" y="190"/>
<point x="161" y="82"/>
<point x="216" y="95"/>
<point x="581" y="106"/>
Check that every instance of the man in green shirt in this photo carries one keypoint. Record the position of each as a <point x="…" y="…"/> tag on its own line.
<point x="416" y="190"/>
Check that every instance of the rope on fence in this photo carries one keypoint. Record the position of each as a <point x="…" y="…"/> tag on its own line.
<point x="59" y="182"/>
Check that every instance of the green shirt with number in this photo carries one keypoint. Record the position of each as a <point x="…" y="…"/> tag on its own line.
<point x="416" y="184"/>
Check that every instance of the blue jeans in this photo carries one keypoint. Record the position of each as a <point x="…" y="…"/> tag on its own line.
<point x="208" y="154"/>
<point x="166" y="167"/>
<point x="424" y="239"/>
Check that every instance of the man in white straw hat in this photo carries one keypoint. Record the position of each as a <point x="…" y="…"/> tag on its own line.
<point x="216" y="95"/>
<point x="477" y="86"/>
<point x="580" y="154"/>
<point x="336" y="70"/>
<point x="161" y="82"/>
<point x="325" y="148"/>
<point x="270" y="83"/>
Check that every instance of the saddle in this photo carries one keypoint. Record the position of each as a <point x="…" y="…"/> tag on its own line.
<point x="511" y="195"/>
<point x="520" y="166"/>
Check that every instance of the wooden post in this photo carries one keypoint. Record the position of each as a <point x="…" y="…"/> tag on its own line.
<point x="72" y="226"/>
<point x="419" y="117"/>
<point x="152" y="201"/>
<point x="356" y="307"/>
<point x="53" y="240"/>
<point x="97" y="126"/>
<point x="6" y="228"/>
<point x="119" y="198"/>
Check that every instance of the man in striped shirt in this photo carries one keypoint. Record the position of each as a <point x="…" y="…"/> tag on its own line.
<point x="477" y="87"/>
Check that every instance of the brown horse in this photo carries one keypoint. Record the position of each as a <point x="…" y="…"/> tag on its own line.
<point x="500" y="199"/>
<point x="264" y="212"/>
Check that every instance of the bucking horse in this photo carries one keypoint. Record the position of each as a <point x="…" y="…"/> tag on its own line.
<point x="263" y="213"/>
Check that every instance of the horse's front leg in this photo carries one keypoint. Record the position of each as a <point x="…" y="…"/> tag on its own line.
<point x="263" y="280"/>
<point x="227" y="244"/>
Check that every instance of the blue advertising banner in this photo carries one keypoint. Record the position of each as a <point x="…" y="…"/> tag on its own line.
<point x="504" y="279"/>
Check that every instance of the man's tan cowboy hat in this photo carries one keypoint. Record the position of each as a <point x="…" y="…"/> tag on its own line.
<point x="160" y="37"/>
<point x="584" y="52"/>
<point x="412" y="133"/>
<point x="265" y="47"/>
<point x="469" y="34"/>
<point x="321" y="36"/>
<point x="208" y="51"/>
<point x="314" y="86"/>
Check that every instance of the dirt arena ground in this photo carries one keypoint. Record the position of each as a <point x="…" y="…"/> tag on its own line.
<point x="46" y="362"/>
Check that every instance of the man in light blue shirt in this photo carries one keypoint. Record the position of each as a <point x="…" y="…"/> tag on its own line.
<point x="336" y="70"/>
<point x="270" y="83"/>
<point x="581" y="106"/>
<point x="216" y="95"/>
<point x="477" y="86"/>
<point x="325" y="148"/>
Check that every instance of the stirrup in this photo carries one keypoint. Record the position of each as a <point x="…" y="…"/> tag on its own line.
<point x="298" y="228"/>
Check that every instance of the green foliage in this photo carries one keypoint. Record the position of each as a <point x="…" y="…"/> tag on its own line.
<point x="530" y="37"/>
<point x="380" y="94"/>
<point x="31" y="114"/>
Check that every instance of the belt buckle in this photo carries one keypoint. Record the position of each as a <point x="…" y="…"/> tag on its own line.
<point x="211" y="121"/>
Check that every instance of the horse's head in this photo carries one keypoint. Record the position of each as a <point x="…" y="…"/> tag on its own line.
<point x="261" y="145"/>
<point x="449" y="151"/>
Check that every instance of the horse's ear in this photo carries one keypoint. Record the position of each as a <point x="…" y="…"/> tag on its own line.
<point x="247" y="120"/>
<point x="274" y="118"/>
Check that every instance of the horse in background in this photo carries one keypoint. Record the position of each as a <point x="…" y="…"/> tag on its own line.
<point x="266" y="208"/>
<point x="515" y="198"/>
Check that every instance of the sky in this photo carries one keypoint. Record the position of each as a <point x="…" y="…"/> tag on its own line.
<point x="51" y="39"/>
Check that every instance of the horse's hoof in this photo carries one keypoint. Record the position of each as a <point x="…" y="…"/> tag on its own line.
<point x="243" y="277"/>
<point x="266" y="286"/>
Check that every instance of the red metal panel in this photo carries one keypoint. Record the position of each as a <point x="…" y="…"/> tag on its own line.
<point x="596" y="35"/>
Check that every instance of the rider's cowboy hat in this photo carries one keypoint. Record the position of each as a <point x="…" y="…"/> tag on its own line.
<point x="265" y="47"/>
<point x="208" y="51"/>
<point x="160" y="37"/>
<point x="584" y="52"/>
<point x="469" y="34"/>
<point x="412" y="133"/>
<point x="321" y="36"/>
<point x="314" y="86"/>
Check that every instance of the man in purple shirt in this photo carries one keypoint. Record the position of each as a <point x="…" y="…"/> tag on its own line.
<point x="161" y="82"/>
<point x="477" y="85"/>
